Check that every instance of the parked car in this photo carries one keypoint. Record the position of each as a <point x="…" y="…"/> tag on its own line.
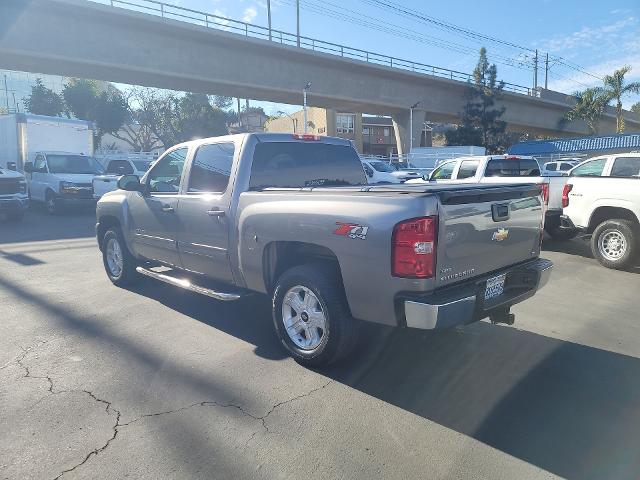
<point x="558" y="169"/>
<point x="292" y="217"/>
<point x="115" y="168"/>
<point x="602" y="198"/>
<point x="14" y="200"/>
<point x="379" y="172"/>
<point x="61" y="179"/>
<point x="382" y="168"/>
<point x="506" y="168"/>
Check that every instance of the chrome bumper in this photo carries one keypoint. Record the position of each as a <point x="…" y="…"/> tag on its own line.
<point x="467" y="308"/>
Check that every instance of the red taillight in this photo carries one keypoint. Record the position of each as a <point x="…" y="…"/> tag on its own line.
<point x="565" y="194"/>
<point x="545" y="193"/>
<point x="414" y="248"/>
<point x="307" y="137"/>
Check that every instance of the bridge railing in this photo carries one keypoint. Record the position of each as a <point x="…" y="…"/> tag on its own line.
<point x="219" y="22"/>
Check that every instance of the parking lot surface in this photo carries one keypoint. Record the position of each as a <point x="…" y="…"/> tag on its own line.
<point x="98" y="382"/>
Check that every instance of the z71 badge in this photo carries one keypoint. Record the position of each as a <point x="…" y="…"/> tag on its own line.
<point x="351" y="230"/>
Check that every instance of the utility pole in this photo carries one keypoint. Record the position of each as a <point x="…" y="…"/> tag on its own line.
<point x="239" y="117"/>
<point x="535" y="71"/>
<point x="411" y="126"/>
<point x="298" y="29"/>
<point x="304" y="104"/>
<point x="269" y="17"/>
<point x="546" y="71"/>
<point x="6" y="91"/>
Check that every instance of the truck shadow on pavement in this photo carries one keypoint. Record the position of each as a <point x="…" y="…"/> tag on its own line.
<point x="570" y="409"/>
<point x="579" y="247"/>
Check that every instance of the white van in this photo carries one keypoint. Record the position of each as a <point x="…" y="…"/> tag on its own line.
<point x="60" y="179"/>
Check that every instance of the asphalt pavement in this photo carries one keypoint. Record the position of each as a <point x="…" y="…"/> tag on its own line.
<point x="99" y="382"/>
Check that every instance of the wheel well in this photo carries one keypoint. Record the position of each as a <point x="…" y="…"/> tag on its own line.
<point x="601" y="214"/>
<point x="281" y="256"/>
<point x="105" y="224"/>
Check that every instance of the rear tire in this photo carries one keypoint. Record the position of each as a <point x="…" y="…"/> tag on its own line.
<point x="559" y="234"/>
<point x="311" y="316"/>
<point x="118" y="262"/>
<point x="614" y="243"/>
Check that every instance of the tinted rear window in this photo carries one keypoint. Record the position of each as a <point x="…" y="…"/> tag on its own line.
<point x="291" y="164"/>
<point x="513" y="168"/>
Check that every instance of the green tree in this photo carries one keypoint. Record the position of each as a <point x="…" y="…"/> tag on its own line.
<point x="635" y="108"/>
<point x="107" y="109"/>
<point x="589" y="107"/>
<point x="615" y="88"/>
<point x="44" y="101"/>
<point x="222" y="102"/>
<point x="480" y="118"/>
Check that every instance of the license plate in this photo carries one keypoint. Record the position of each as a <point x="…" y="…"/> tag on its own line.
<point x="495" y="287"/>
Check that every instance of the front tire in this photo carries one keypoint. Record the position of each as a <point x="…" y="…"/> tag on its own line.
<point x="118" y="262"/>
<point x="51" y="204"/>
<point x="311" y="316"/>
<point x="614" y="243"/>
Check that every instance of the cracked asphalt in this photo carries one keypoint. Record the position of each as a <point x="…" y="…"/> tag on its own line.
<point x="98" y="382"/>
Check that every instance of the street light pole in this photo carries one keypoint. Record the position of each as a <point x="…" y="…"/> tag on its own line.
<point x="269" y="17"/>
<point x="304" y="104"/>
<point x="298" y="24"/>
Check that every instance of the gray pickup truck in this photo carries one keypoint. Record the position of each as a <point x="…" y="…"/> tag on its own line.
<point x="292" y="217"/>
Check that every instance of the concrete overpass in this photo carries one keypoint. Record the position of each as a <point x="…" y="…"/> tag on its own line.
<point x="85" y="39"/>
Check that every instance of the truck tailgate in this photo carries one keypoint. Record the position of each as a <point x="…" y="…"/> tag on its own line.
<point x="103" y="184"/>
<point x="485" y="230"/>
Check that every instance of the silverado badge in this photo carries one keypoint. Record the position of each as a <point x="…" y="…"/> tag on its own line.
<point x="500" y="235"/>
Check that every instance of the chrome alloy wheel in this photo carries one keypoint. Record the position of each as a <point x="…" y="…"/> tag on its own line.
<point x="114" y="257"/>
<point x="612" y="244"/>
<point x="303" y="317"/>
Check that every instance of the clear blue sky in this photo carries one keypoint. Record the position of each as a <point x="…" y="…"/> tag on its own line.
<point x="599" y="36"/>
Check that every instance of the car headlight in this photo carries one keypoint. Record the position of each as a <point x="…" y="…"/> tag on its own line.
<point x="22" y="187"/>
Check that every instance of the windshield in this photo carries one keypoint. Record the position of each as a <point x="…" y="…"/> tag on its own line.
<point x="510" y="167"/>
<point x="73" y="164"/>
<point x="383" y="167"/>
<point x="142" y="165"/>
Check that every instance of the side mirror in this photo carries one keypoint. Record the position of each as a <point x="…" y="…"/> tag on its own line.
<point x="130" y="183"/>
<point x="28" y="167"/>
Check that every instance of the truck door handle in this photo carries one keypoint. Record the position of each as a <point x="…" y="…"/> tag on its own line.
<point x="167" y="208"/>
<point x="215" y="213"/>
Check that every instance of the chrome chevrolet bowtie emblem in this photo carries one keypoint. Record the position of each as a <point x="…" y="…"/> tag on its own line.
<point x="500" y="235"/>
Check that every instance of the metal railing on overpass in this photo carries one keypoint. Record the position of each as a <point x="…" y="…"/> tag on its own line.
<point x="210" y="20"/>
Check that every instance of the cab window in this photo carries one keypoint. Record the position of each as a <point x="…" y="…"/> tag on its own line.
<point x="119" y="167"/>
<point x="468" y="169"/>
<point x="211" y="168"/>
<point x="626" y="167"/>
<point x="593" y="168"/>
<point x="40" y="163"/>
<point x="166" y="173"/>
<point x="551" y="167"/>
<point x="443" y="172"/>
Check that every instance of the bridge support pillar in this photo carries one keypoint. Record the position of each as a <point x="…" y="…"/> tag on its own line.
<point x="408" y="132"/>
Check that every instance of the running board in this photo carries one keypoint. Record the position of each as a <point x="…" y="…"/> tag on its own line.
<point x="187" y="285"/>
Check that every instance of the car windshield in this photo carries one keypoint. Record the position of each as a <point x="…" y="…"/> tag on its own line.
<point x="73" y="164"/>
<point x="383" y="167"/>
<point x="142" y="165"/>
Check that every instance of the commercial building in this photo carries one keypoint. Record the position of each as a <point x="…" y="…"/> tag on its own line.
<point x="371" y="135"/>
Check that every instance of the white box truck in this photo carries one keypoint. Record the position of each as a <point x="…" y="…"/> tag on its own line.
<point x="24" y="134"/>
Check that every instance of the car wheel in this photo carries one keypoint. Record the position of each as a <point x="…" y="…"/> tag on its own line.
<point x="311" y="316"/>
<point x="556" y="233"/>
<point x="614" y="243"/>
<point x="118" y="262"/>
<point x="51" y="204"/>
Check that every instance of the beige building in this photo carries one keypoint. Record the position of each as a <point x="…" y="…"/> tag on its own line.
<point x="370" y="135"/>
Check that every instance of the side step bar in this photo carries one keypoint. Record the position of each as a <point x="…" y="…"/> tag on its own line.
<point x="187" y="285"/>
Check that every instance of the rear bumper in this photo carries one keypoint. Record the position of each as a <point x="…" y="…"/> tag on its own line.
<point x="464" y="303"/>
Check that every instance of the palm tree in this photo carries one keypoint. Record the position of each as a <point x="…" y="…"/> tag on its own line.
<point x="589" y="107"/>
<point x="615" y="89"/>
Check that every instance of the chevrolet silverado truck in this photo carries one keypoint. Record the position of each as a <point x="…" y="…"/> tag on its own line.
<point x="602" y="198"/>
<point x="13" y="194"/>
<point x="292" y="217"/>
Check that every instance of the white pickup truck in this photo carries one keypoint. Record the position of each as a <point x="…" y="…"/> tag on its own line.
<point x="511" y="169"/>
<point x="114" y="168"/>
<point x="602" y="197"/>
